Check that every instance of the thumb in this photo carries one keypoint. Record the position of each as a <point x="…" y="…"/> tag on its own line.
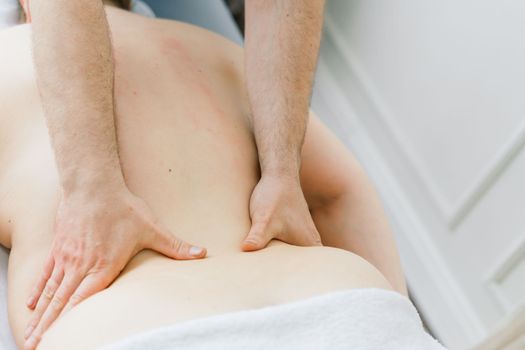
<point x="313" y="238"/>
<point x="308" y="236"/>
<point x="166" y="243"/>
<point x="258" y="237"/>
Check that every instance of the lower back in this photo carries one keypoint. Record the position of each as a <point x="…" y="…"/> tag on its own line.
<point x="154" y="291"/>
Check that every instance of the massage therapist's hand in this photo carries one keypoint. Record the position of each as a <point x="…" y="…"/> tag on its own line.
<point x="278" y="210"/>
<point x="96" y="235"/>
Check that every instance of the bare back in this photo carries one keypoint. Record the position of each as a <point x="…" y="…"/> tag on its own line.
<point x="187" y="149"/>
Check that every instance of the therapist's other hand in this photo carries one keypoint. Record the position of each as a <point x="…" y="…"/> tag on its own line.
<point x="279" y="210"/>
<point x="95" y="237"/>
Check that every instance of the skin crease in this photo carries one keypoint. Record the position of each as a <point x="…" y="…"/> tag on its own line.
<point x="100" y="224"/>
<point x="331" y="196"/>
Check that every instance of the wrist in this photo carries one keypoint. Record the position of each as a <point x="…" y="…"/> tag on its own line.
<point x="92" y="183"/>
<point x="283" y="172"/>
<point x="287" y="166"/>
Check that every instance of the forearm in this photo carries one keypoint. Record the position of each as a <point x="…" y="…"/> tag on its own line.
<point x="282" y="44"/>
<point x="74" y="68"/>
<point x="355" y="221"/>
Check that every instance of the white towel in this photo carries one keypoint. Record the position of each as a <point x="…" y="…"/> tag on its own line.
<point x="361" y="319"/>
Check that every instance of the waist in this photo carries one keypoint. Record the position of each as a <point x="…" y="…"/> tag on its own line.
<point x="154" y="291"/>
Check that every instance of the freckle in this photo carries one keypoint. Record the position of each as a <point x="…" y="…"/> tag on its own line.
<point x="169" y="170"/>
<point x="135" y="93"/>
<point x="9" y="221"/>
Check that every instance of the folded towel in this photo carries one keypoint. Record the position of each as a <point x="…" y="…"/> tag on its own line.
<point x="361" y="319"/>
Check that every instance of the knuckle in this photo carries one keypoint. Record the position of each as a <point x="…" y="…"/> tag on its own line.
<point x="65" y="258"/>
<point x="260" y="227"/>
<point x="76" y="299"/>
<point x="34" y="322"/>
<point x="52" y="284"/>
<point x="176" y="244"/>
<point x="58" y="302"/>
<point x="37" y="333"/>
<point x="263" y="220"/>
<point x="101" y="263"/>
<point x="89" y="260"/>
<point x="47" y="293"/>
<point x="76" y="263"/>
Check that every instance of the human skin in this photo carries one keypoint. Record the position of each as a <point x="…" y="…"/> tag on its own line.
<point x="202" y="151"/>
<point x="80" y="121"/>
<point x="99" y="224"/>
<point x="281" y="49"/>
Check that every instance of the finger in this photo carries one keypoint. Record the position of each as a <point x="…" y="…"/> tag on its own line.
<point x="306" y="236"/>
<point x="45" y="298"/>
<point x="313" y="236"/>
<point x="91" y="284"/>
<point x="258" y="237"/>
<point x="69" y="283"/>
<point x="166" y="243"/>
<point x="316" y="237"/>
<point x="39" y="287"/>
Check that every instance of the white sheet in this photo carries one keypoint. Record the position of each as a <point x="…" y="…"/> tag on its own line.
<point x="363" y="319"/>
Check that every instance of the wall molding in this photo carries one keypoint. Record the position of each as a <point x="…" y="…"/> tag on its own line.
<point x="508" y="335"/>
<point x="452" y="213"/>
<point x="487" y="178"/>
<point x="501" y="269"/>
<point x="445" y="307"/>
<point x="383" y="116"/>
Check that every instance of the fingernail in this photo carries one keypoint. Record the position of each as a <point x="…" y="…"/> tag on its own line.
<point x="28" y="331"/>
<point x="195" y="251"/>
<point x="251" y="242"/>
<point x="29" y="301"/>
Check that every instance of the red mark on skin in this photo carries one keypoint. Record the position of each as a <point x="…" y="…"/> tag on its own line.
<point x="135" y="93"/>
<point x="170" y="46"/>
<point x="186" y="68"/>
<point x="172" y="43"/>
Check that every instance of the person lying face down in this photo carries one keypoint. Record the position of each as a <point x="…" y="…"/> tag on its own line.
<point x="100" y="224"/>
<point x="186" y="147"/>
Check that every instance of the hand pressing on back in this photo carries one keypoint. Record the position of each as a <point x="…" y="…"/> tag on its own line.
<point x="96" y="235"/>
<point x="279" y="210"/>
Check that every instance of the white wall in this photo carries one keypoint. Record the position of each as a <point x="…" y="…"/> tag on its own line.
<point x="431" y="97"/>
